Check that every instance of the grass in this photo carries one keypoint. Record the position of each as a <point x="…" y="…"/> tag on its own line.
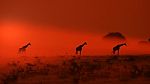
<point x="74" y="70"/>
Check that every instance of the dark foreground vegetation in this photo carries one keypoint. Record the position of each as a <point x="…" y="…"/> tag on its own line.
<point x="80" y="70"/>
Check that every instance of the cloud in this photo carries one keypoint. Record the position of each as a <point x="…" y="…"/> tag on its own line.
<point x="147" y="42"/>
<point x="114" y="36"/>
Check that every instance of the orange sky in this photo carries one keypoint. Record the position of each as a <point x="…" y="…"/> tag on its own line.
<point x="57" y="27"/>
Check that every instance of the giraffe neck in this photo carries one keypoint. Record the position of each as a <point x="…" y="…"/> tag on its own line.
<point x="26" y="46"/>
<point x="122" y="45"/>
<point x="83" y="44"/>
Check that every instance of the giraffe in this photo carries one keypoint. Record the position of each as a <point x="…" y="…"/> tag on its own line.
<point x="23" y="48"/>
<point x="117" y="47"/>
<point x="79" y="48"/>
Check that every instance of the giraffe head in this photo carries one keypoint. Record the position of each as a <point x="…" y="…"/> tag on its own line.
<point x="29" y="44"/>
<point x="85" y="43"/>
<point x="125" y="44"/>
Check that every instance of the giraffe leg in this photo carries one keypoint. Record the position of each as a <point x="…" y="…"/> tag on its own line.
<point x="76" y="52"/>
<point x="20" y="50"/>
<point x="113" y="52"/>
<point x="80" y="52"/>
<point x="118" y="52"/>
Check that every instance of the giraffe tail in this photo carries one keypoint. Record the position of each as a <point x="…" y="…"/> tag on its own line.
<point x="113" y="52"/>
<point x="76" y="51"/>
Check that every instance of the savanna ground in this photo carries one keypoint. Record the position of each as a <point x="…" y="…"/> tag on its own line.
<point x="79" y="70"/>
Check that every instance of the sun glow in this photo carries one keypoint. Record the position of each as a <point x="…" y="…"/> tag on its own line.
<point x="11" y="32"/>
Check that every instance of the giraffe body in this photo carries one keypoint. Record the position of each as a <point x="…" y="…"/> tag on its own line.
<point x="23" y="49"/>
<point x="117" y="48"/>
<point x="79" y="48"/>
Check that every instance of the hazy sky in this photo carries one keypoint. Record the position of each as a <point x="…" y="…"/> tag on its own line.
<point x="95" y="16"/>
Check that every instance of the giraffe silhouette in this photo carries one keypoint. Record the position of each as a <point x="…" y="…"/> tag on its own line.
<point x="117" y="47"/>
<point x="79" y="48"/>
<point x="23" y="48"/>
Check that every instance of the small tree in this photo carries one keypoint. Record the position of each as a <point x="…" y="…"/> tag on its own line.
<point x="149" y="40"/>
